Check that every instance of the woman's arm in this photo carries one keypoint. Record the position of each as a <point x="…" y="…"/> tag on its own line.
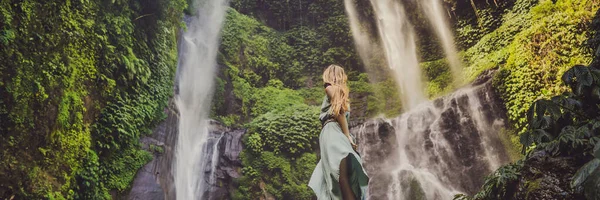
<point x="340" y="117"/>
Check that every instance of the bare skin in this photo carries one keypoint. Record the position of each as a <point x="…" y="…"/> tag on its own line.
<point x="344" y="180"/>
<point x="347" y="193"/>
<point x="341" y="119"/>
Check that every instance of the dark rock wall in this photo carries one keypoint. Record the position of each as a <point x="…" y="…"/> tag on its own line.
<point x="155" y="180"/>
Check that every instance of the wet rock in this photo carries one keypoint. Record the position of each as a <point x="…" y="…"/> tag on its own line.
<point x="449" y="144"/>
<point x="146" y="187"/>
<point x="155" y="180"/>
<point x="229" y="164"/>
<point x="547" y="177"/>
<point x="157" y="174"/>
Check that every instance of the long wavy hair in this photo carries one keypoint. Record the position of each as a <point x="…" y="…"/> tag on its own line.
<point x="339" y="100"/>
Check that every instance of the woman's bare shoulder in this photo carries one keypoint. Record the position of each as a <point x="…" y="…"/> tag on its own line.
<point x="329" y="91"/>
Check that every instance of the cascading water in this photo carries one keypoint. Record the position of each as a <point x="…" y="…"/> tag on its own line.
<point x="214" y="160"/>
<point x="398" y="41"/>
<point x="197" y="62"/>
<point x="436" y="150"/>
<point x="433" y="11"/>
<point x="362" y="40"/>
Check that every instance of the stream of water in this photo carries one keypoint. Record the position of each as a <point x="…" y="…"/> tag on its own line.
<point x="196" y="70"/>
<point x="398" y="39"/>
<point x="435" y="149"/>
<point x="435" y="14"/>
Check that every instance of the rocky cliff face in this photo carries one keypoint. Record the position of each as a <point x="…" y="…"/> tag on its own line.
<point x="154" y="181"/>
<point x="546" y="177"/>
<point x="439" y="149"/>
<point x="228" y="148"/>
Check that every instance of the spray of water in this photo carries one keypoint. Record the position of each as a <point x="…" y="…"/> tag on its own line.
<point x="433" y="11"/>
<point x="215" y="161"/>
<point x="197" y="62"/>
<point x="364" y="44"/>
<point x="435" y="142"/>
<point x="398" y="40"/>
<point x="439" y="149"/>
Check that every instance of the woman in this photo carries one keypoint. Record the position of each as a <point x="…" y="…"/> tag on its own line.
<point x="339" y="174"/>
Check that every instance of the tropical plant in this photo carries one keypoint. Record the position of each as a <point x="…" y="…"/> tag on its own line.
<point x="499" y="185"/>
<point x="569" y="122"/>
<point x="565" y="125"/>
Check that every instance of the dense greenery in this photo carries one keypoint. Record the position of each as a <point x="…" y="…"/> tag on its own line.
<point x="270" y="83"/>
<point x="438" y="76"/>
<point x="530" y="41"/>
<point x="566" y="125"/>
<point x="279" y="154"/>
<point x="259" y="62"/>
<point x="81" y="82"/>
<point x="533" y="46"/>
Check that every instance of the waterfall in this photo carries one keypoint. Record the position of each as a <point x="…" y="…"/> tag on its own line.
<point x="214" y="160"/>
<point x="363" y="43"/>
<point x="437" y="149"/>
<point x="398" y="41"/>
<point x="196" y="70"/>
<point x="434" y="12"/>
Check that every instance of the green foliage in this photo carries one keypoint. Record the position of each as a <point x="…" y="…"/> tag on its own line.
<point x="386" y="99"/>
<point x="568" y="122"/>
<point x="439" y="77"/>
<point x="376" y="98"/>
<point x="534" y="45"/>
<point x="278" y="154"/>
<point x="262" y="63"/>
<point x="564" y="125"/>
<point x="259" y="52"/>
<point x="313" y="96"/>
<point x="499" y="185"/>
<point x="262" y="43"/>
<point x="291" y="131"/>
<point x="491" y="48"/>
<point x="89" y="183"/>
<point x="511" y="144"/>
<point x="156" y="149"/>
<point x="286" y="15"/>
<point x="75" y="104"/>
<point x="471" y="27"/>
<point x="272" y="98"/>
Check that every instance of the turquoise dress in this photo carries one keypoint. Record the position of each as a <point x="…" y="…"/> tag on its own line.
<point x="335" y="146"/>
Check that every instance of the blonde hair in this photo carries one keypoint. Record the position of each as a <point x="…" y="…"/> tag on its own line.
<point x="339" y="100"/>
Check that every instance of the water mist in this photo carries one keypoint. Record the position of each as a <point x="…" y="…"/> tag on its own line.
<point x="436" y="148"/>
<point x="433" y="11"/>
<point x="196" y="70"/>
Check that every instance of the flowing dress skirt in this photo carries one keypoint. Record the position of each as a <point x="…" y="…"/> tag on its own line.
<point x="335" y="146"/>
